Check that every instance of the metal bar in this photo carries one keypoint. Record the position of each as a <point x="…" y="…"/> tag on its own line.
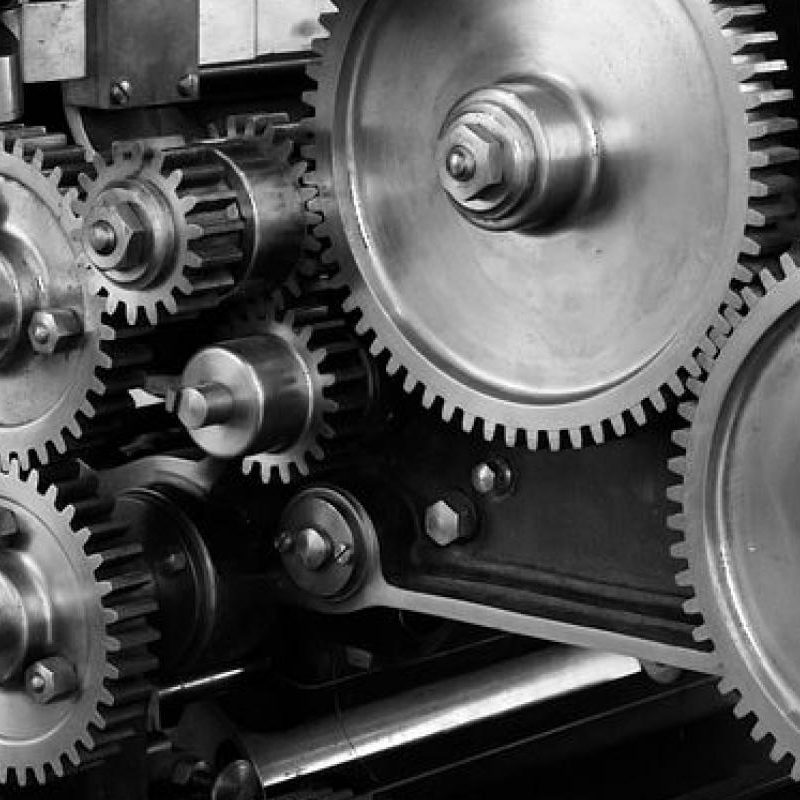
<point x="431" y="711"/>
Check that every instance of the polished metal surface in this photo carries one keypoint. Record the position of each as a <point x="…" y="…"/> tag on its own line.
<point x="430" y="711"/>
<point x="556" y="331"/>
<point x="740" y="513"/>
<point x="66" y="671"/>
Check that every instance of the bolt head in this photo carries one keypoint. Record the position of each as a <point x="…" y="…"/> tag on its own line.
<point x="492" y="478"/>
<point x="453" y="519"/>
<point x="473" y="146"/>
<point x="118" y="224"/>
<point x="120" y="92"/>
<point x="54" y="330"/>
<point x="50" y="679"/>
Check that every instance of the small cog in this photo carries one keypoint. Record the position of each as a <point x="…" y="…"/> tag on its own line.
<point x="73" y="688"/>
<point x="177" y="230"/>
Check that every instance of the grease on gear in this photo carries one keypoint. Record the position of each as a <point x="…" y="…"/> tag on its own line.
<point x="739" y="516"/>
<point x="176" y="230"/>
<point x="79" y="601"/>
<point x="477" y="261"/>
<point x="64" y="368"/>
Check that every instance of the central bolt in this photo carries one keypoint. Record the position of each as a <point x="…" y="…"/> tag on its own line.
<point x="103" y="237"/>
<point x="461" y="164"/>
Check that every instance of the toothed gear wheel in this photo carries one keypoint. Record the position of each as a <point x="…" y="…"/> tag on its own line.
<point x="75" y="573"/>
<point x="739" y="514"/>
<point x="176" y="231"/>
<point x="338" y="382"/>
<point x="567" y="307"/>
<point x="51" y="401"/>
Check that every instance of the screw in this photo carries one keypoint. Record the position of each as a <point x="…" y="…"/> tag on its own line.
<point x="50" y="679"/>
<point x="343" y="554"/>
<point x="189" y="85"/>
<point x="54" y="330"/>
<point x="453" y="519"/>
<point x="285" y="543"/>
<point x="120" y="92"/>
<point x="492" y="477"/>
<point x="9" y="525"/>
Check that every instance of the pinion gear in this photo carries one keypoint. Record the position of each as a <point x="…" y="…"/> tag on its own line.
<point x="739" y="515"/>
<point x="339" y="375"/>
<point x="96" y="595"/>
<point x="177" y="230"/>
<point x="684" y="154"/>
<point x="51" y="401"/>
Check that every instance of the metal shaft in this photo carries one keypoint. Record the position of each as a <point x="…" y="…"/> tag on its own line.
<point x="446" y="707"/>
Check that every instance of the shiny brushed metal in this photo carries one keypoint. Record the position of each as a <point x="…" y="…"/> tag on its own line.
<point x="413" y="718"/>
<point x="740" y="513"/>
<point x="571" y="331"/>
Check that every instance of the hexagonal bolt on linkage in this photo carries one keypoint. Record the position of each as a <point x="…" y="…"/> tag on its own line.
<point x="451" y="520"/>
<point x="50" y="679"/>
<point x="493" y="478"/>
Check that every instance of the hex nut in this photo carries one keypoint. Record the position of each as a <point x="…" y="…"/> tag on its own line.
<point x="488" y="154"/>
<point x="131" y="236"/>
<point x="492" y="478"/>
<point x="53" y="330"/>
<point x="452" y="519"/>
<point x="50" y="679"/>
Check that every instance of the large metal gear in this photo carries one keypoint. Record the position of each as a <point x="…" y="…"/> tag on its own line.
<point x="74" y="605"/>
<point x="175" y="230"/>
<point x="739" y="513"/>
<point x="64" y="368"/>
<point x="287" y="383"/>
<point x="537" y="225"/>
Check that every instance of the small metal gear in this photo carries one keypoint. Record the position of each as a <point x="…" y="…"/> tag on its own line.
<point x="95" y="596"/>
<point x="505" y="327"/>
<point x="176" y="230"/>
<point x="54" y="393"/>
<point x="738" y="514"/>
<point x="339" y="373"/>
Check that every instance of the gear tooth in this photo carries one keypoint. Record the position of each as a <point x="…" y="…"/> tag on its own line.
<point x="740" y="710"/>
<point x="778" y="752"/>
<point x="676" y="494"/>
<point x="598" y="434"/>
<point x="680" y="438"/>
<point x="511" y="435"/>
<point x="677" y="522"/>
<point x="759" y="731"/>
<point x="687" y="411"/>
<point x="554" y="441"/>
<point x="618" y="424"/>
<point x="532" y="440"/>
<point x="691" y="607"/>
<point x="576" y="437"/>
<point x="467" y="423"/>
<point x="448" y="411"/>
<point x="428" y="399"/>
<point x="39" y="773"/>
<point x="701" y="633"/>
<point x="410" y="384"/>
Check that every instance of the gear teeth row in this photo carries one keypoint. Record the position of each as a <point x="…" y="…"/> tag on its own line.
<point x="111" y="359"/>
<point x="113" y="708"/>
<point x="772" y="211"/>
<point x="209" y="229"/>
<point x="771" y="279"/>
<point x="340" y="370"/>
<point x="50" y="153"/>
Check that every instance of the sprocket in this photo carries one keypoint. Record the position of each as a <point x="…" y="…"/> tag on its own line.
<point x="479" y="269"/>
